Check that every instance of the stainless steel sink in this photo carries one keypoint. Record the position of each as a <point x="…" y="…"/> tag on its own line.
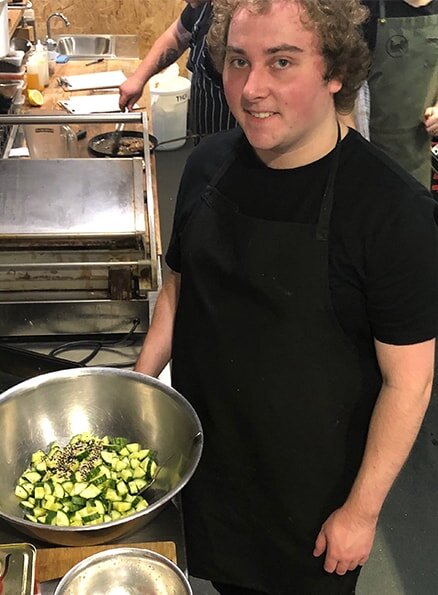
<point x="92" y="47"/>
<point x="84" y="47"/>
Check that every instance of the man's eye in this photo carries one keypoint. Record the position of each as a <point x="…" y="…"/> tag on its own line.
<point x="238" y="62"/>
<point x="282" y="63"/>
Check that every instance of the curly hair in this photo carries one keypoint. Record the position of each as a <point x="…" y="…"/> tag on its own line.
<point x="337" y="24"/>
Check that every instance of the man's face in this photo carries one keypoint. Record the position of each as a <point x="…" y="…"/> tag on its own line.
<point x="274" y="83"/>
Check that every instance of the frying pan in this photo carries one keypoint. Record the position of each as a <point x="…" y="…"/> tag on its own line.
<point x="102" y="144"/>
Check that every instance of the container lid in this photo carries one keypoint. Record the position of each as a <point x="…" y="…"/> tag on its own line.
<point x="164" y="85"/>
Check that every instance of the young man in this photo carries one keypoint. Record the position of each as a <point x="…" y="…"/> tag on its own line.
<point x="209" y="111"/>
<point x="300" y="313"/>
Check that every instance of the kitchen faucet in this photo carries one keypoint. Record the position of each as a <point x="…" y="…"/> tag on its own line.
<point x="59" y="15"/>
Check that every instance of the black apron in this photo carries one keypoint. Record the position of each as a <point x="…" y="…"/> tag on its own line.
<point x="208" y="108"/>
<point x="279" y="390"/>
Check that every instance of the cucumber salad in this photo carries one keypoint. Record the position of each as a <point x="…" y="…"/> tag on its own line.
<point x="91" y="480"/>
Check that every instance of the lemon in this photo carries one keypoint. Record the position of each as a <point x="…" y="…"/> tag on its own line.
<point x="35" y="97"/>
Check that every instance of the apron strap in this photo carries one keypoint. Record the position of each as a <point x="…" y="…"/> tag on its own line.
<point x="322" y="231"/>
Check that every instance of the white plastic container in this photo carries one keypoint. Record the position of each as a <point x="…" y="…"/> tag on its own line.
<point x="4" y="28"/>
<point x="169" y="100"/>
<point x="41" y="55"/>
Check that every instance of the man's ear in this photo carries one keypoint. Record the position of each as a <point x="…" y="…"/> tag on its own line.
<point x="334" y="85"/>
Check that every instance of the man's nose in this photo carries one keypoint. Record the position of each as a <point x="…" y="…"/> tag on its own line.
<point x="256" y="85"/>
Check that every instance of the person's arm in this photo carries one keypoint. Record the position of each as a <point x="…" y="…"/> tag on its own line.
<point x="348" y="534"/>
<point x="157" y="346"/>
<point x="165" y="51"/>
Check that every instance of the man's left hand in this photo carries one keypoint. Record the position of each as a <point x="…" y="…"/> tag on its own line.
<point x="347" y="540"/>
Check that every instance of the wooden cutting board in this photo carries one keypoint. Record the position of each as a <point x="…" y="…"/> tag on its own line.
<point x="53" y="563"/>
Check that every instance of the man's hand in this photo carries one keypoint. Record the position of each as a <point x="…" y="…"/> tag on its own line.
<point x="431" y="120"/>
<point x="130" y="91"/>
<point x="347" y="540"/>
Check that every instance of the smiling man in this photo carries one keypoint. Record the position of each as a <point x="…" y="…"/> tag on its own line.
<point x="301" y="310"/>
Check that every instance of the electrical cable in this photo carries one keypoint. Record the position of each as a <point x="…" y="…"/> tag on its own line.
<point x="98" y="346"/>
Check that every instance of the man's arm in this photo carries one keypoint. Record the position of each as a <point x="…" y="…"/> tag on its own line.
<point x="157" y="347"/>
<point x="165" y="51"/>
<point x="348" y="534"/>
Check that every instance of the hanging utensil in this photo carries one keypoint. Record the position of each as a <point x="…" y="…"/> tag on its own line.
<point x="116" y="138"/>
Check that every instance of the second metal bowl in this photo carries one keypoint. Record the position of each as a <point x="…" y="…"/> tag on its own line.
<point x="125" y="570"/>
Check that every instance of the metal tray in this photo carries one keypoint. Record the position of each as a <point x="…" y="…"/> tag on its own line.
<point x="17" y="563"/>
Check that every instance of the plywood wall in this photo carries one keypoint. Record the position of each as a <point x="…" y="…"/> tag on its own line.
<point x="145" y="18"/>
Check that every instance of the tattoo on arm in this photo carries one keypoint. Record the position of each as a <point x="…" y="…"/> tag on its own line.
<point x="167" y="58"/>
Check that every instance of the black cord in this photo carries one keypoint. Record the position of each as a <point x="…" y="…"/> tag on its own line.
<point x="98" y="346"/>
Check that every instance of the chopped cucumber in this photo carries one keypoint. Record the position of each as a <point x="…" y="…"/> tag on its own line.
<point x="87" y="482"/>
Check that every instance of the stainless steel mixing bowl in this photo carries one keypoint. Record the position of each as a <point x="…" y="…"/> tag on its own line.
<point x="125" y="571"/>
<point x="101" y="401"/>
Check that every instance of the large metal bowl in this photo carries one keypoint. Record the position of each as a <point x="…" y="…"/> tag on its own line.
<point x="130" y="571"/>
<point x="102" y="401"/>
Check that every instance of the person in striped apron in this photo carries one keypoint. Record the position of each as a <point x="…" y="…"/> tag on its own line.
<point x="208" y="112"/>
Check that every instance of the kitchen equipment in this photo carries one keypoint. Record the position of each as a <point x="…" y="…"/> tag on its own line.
<point x="17" y="568"/>
<point x="18" y="364"/>
<point x="92" y="104"/>
<point x="117" y="135"/>
<point x="94" y="80"/>
<point x="102" y="401"/>
<point x="52" y="563"/>
<point x="10" y="91"/>
<point x="19" y="44"/>
<point x="78" y="247"/>
<point x="169" y="100"/>
<point x="12" y="63"/>
<point x="100" y="145"/>
<point x="51" y="141"/>
<point x="9" y="88"/>
<point x="129" y="570"/>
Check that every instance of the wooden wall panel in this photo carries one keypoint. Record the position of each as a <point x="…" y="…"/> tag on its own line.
<point x="145" y="18"/>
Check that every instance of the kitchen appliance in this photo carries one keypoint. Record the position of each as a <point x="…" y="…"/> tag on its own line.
<point x="78" y="246"/>
<point x="101" y="401"/>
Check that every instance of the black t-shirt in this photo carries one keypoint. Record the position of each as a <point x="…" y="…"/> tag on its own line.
<point x="393" y="8"/>
<point x="383" y="244"/>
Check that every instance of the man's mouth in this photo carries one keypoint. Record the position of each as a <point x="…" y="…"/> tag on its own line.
<point x="260" y="115"/>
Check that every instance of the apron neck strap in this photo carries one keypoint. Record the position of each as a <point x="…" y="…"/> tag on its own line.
<point x="382" y="10"/>
<point x="322" y="231"/>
